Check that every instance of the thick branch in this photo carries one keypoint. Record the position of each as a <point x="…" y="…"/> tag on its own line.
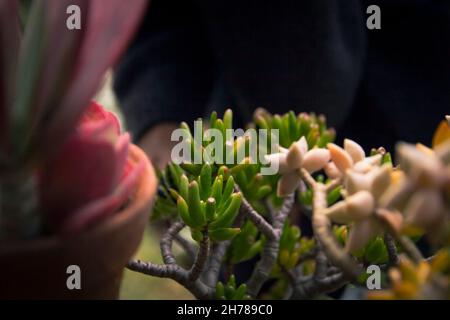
<point x="166" y="242"/>
<point x="258" y="220"/>
<point x="391" y="249"/>
<point x="215" y="262"/>
<point x="280" y="218"/>
<point x="263" y="267"/>
<point x="311" y="287"/>
<point x="188" y="279"/>
<point x="270" y="252"/>
<point x="325" y="279"/>
<point x="171" y="271"/>
<point x="322" y="230"/>
<point x="200" y="260"/>
<point x="174" y="272"/>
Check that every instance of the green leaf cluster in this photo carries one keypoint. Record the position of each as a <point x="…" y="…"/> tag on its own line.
<point x="247" y="244"/>
<point x="229" y="291"/>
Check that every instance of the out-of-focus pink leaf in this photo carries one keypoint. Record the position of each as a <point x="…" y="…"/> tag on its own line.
<point x="88" y="167"/>
<point x="96" y="113"/>
<point x="9" y="50"/>
<point x="110" y="27"/>
<point x="60" y="55"/>
<point x="103" y="208"/>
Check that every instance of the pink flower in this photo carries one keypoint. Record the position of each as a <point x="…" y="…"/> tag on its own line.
<point x="91" y="176"/>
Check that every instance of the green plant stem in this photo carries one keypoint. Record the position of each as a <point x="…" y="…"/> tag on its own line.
<point x="18" y="206"/>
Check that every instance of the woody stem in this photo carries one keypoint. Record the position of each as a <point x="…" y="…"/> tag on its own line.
<point x="322" y="229"/>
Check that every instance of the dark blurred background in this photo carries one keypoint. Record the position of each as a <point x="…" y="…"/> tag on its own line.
<point x="375" y="86"/>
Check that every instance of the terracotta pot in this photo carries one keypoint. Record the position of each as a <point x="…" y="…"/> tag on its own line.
<point x="38" y="269"/>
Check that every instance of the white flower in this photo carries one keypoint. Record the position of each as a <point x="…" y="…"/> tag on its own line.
<point x="363" y="193"/>
<point x="428" y="172"/>
<point x="352" y="156"/>
<point x="291" y="161"/>
<point x="364" y="180"/>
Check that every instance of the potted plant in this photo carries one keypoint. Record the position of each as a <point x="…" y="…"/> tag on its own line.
<point x="74" y="191"/>
<point x="365" y="210"/>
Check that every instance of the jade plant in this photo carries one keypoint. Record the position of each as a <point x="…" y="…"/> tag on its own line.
<point x="364" y="209"/>
<point x="63" y="159"/>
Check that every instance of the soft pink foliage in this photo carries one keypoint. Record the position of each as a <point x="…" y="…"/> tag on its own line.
<point x="58" y="70"/>
<point x="90" y="177"/>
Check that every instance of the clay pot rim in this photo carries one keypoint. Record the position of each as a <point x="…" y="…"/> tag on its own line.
<point x="144" y="194"/>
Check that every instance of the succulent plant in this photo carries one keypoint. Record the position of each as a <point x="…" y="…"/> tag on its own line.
<point x="360" y="206"/>
<point x="230" y="291"/>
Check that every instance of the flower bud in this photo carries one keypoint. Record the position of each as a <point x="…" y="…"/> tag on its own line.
<point x="340" y="157"/>
<point x="316" y="159"/>
<point x="355" y="151"/>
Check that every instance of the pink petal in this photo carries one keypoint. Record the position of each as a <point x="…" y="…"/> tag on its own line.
<point x="316" y="159"/>
<point x="287" y="184"/>
<point x="355" y="181"/>
<point x="425" y="209"/>
<point x="340" y="157"/>
<point x="84" y="170"/>
<point x="279" y="160"/>
<point x="381" y="180"/>
<point x="96" y="113"/>
<point x="303" y="144"/>
<point x="354" y="150"/>
<point x="294" y="157"/>
<point x="361" y="233"/>
<point x="357" y="207"/>
<point x="332" y="171"/>
<point x="103" y="208"/>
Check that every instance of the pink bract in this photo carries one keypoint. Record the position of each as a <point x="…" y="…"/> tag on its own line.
<point x="91" y="176"/>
